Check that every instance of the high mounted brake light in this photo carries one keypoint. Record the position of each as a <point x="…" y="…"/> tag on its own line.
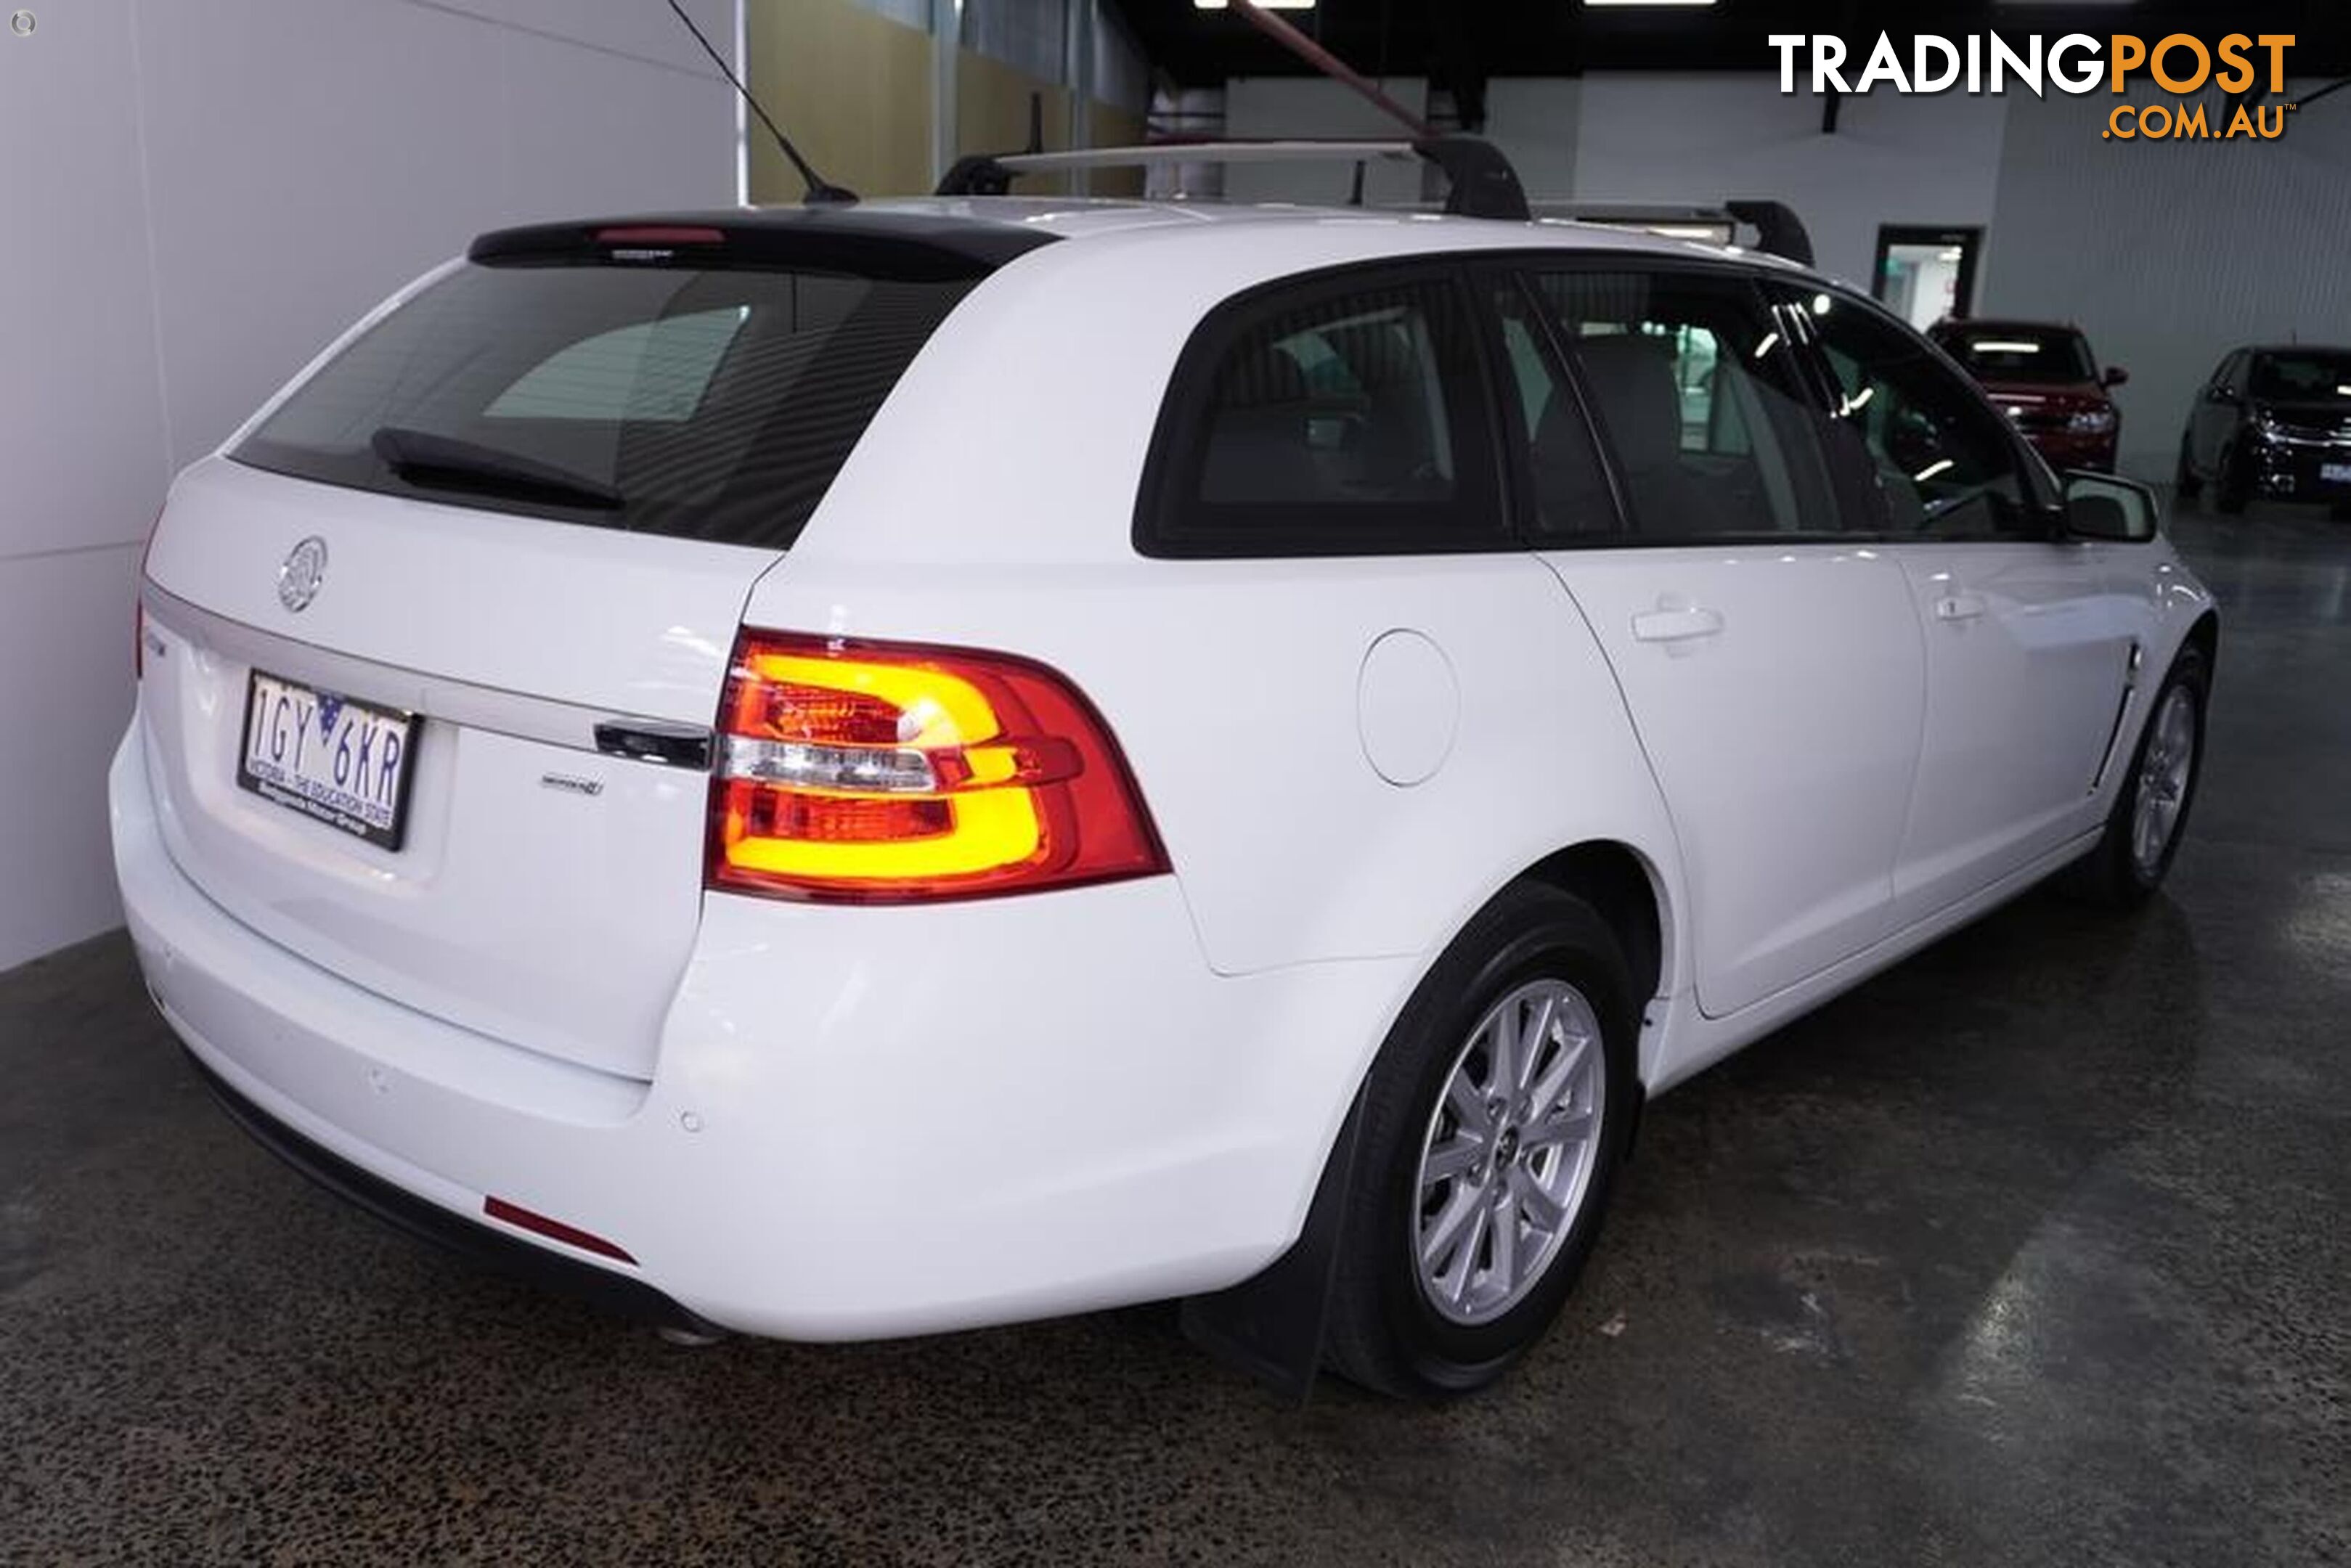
<point x="660" y="235"/>
<point x="882" y="773"/>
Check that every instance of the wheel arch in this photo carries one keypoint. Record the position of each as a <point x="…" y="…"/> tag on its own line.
<point x="2204" y="636"/>
<point x="1628" y="890"/>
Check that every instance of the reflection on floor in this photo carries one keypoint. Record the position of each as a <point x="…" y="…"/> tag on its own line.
<point x="2034" y="1250"/>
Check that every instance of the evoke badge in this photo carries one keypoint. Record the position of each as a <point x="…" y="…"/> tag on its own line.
<point x="305" y="571"/>
<point x="572" y="784"/>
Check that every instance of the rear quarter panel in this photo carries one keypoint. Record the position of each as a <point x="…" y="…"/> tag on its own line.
<point x="991" y="505"/>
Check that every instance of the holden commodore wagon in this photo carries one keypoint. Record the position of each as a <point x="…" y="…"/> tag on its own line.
<point x="857" y="771"/>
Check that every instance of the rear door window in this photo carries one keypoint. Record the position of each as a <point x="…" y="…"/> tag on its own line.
<point x="1333" y="417"/>
<point x="1700" y="398"/>
<point x="705" y="403"/>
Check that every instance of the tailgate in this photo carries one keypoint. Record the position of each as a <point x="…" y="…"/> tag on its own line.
<point x="545" y="892"/>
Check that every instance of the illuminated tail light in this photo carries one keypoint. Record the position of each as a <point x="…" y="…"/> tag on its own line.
<point x="878" y="773"/>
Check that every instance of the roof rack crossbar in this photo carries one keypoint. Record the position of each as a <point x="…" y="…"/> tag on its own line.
<point x="1778" y="230"/>
<point x="1484" y="185"/>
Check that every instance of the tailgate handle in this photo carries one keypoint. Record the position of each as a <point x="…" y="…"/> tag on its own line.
<point x="671" y="745"/>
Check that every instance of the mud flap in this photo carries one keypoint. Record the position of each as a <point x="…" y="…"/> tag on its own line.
<point x="1271" y="1325"/>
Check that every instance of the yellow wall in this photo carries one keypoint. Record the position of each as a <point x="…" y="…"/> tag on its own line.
<point x="850" y="89"/>
<point x="853" y="90"/>
<point x="1111" y="126"/>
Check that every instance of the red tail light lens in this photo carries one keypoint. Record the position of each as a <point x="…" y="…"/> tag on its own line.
<point x="884" y="773"/>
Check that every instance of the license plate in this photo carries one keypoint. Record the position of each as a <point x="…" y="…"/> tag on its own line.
<point x="336" y="761"/>
<point x="2334" y="473"/>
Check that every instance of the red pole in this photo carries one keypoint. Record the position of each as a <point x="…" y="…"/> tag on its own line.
<point x="1329" y="64"/>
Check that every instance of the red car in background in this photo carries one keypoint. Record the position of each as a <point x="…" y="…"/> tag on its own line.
<point x="2043" y="376"/>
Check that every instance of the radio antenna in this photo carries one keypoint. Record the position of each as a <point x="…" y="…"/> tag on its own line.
<point x="817" y="189"/>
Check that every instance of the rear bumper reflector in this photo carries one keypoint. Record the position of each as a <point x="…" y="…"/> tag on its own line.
<point x="514" y="1214"/>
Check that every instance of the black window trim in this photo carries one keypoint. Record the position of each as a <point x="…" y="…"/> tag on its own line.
<point x="1156" y="533"/>
<point x="1488" y="277"/>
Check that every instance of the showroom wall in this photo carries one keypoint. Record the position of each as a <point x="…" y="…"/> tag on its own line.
<point x="192" y="207"/>
<point x="1892" y="161"/>
<point x="1699" y="138"/>
<point x="2170" y="254"/>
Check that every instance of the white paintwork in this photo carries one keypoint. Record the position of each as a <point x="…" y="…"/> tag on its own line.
<point x="839" y="1122"/>
<point x="1784" y="739"/>
<point x="2027" y="659"/>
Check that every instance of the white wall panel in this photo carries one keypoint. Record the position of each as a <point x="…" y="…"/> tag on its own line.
<point x="65" y="695"/>
<point x="1535" y="121"/>
<point x="81" y="433"/>
<point x="1706" y="138"/>
<point x="196" y="197"/>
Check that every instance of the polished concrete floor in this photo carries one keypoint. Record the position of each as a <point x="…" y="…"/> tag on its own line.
<point x="2037" y="1250"/>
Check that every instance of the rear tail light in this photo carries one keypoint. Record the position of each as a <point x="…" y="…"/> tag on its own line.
<point x="884" y="773"/>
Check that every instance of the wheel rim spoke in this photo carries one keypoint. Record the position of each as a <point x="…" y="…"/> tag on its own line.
<point x="1453" y="1159"/>
<point x="1461" y="1209"/>
<point x="1546" y="1211"/>
<point x="1502" y="1231"/>
<point x="1565" y="1072"/>
<point x="1560" y="1127"/>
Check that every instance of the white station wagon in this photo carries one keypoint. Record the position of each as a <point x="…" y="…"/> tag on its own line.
<point x="863" y="770"/>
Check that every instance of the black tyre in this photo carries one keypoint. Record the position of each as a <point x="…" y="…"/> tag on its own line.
<point x="1493" y="1123"/>
<point x="2234" y="490"/>
<point x="2151" y="805"/>
<point x="2184" y="480"/>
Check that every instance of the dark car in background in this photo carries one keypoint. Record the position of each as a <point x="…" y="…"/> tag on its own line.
<point x="2272" y="423"/>
<point x="2043" y="375"/>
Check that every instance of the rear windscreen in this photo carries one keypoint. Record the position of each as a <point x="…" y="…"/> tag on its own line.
<point x="2020" y="353"/>
<point x="713" y="405"/>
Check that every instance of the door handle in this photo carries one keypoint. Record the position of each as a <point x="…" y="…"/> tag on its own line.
<point x="1675" y="625"/>
<point x="1959" y="607"/>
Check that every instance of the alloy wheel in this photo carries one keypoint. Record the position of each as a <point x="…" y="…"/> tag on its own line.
<point x="1510" y="1152"/>
<point x="2163" y="777"/>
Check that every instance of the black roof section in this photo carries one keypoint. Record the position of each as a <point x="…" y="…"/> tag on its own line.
<point x="909" y="246"/>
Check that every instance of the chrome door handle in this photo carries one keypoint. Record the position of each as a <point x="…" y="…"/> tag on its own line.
<point x="1675" y="625"/>
<point x="1960" y="607"/>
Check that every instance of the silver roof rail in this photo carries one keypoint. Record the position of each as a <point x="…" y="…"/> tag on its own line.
<point x="1779" y="231"/>
<point x="1484" y="185"/>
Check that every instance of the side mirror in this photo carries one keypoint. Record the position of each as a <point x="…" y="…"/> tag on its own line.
<point x="2218" y="394"/>
<point x="2102" y="507"/>
<point x="2115" y="376"/>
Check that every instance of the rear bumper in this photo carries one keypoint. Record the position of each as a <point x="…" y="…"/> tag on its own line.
<point x="862" y="1123"/>
<point x="609" y="1289"/>
<point x="2063" y="450"/>
<point x="2297" y="470"/>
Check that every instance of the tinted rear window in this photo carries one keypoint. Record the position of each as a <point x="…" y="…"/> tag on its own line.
<point x="2320" y="377"/>
<point x="2020" y="353"/>
<point x="713" y="404"/>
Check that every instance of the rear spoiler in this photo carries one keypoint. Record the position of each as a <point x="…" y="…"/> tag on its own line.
<point x="1484" y="185"/>
<point x="1777" y="229"/>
